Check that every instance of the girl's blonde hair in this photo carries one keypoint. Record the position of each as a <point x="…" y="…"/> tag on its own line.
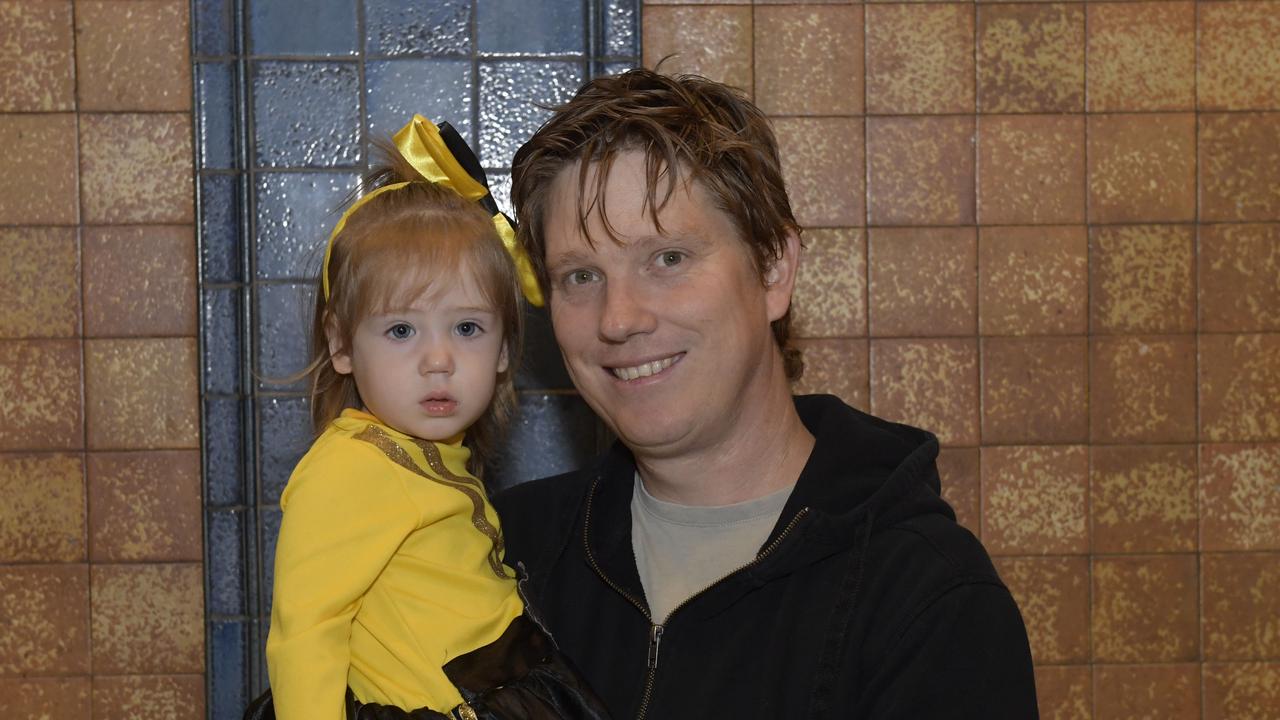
<point x="395" y="247"/>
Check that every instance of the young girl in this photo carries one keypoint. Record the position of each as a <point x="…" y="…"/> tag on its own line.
<point x="391" y="597"/>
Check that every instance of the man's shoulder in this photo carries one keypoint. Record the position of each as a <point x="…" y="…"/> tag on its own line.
<point x="538" y="515"/>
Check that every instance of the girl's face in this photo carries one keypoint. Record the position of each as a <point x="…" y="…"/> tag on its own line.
<point x="428" y="369"/>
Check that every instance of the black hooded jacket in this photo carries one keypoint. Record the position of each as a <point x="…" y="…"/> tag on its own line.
<point x="866" y="601"/>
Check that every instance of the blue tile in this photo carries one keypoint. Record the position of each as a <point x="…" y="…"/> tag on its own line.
<point x="550" y="434"/>
<point x="224" y="451"/>
<point x="269" y="525"/>
<point x="512" y="94"/>
<point x="283" y="328"/>
<point x="225" y="569"/>
<point x="437" y="89"/>
<point x="214" y="25"/>
<point x="531" y="26"/>
<point x="620" y="33"/>
<point x="228" y="676"/>
<point x="296" y="212"/>
<point x="411" y="27"/>
<point x="285" y="429"/>
<point x="222" y="340"/>
<point x="217" y="104"/>
<point x="617" y="68"/>
<point x="306" y="114"/>
<point x="541" y="366"/>
<point x="302" y="27"/>
<point x="220" y="228"/>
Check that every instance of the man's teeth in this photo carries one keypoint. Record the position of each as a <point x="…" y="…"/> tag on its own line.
<point x="645" y="370"/>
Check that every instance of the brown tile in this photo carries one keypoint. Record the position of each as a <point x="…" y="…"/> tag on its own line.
<point x="920" y="170"/>
<point x="1141" y="56"/>
<point x="822" y="163"/>
<point x="148" y="619"/>
<point x="1035" y="499"/>
<point x="42" y="516"/>
<point x="46" y="616"/>
<point x="1030" y="169"/>
<point x="47" y="698"/>
<point x="808" y="60"/>
<point x="1053" y="595"/>
<point x="144" y="506"/>
<point x="1145" y="609"/>
<point x="36" y="71"/>
<point x="1239" y="278"/>
<point x="1239" y="68"/>
<point x="919" y="59"/>
<point x="136" y="168"/>
<point x="1239" y="167"/>
<point x="1032" y="280"/>
<point x="141" y="394"/>
<point x="1143" y="498"/>
<point x="1240" y="388"/>
<point x="1142" y="168"/>
<point x="40" y="395"/>
<point x="830" y="294"/>
<point x="1030" y="58"/>
<point x="39" y="282"/>
<point x="929" y="383"/>
<point x="148" y="697"/>
<point x="959" y="470"/>
<point x="1142" y="279"/>
<point x="714" y="42"/>
<point x="38" y="170"/>
<point x="1241" y="690"/>
<point x="1241" y="605"/>
<point x="835" y="366"/>
<point x="1142" y="389"/>
<point x="1240" y="497"/>
<point x="117" y="72"/>
<point x="1035" y="390"/>
<point x="1168" y="692"/>
<point x="923" y="281"/>
<point x="1064" y="692"/>
<point x="139" y="281"/>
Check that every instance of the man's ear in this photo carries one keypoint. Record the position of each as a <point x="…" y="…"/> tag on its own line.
<point x="503" y="360"/>
<point x="780" y="277"/>
<point x="338" y="353"/>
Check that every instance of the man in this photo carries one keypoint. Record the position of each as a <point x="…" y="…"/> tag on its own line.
<point x="740" y="553"/>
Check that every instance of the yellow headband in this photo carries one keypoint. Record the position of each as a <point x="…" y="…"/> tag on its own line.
<point x="421" y="144"/>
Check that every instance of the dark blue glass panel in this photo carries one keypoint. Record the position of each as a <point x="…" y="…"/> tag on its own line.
<point x="296" y="212"/>
<point x="549" y="435"/>
<point x="224" y="454"/>
<point x="285" y="423"/>
<point x="500" y="188"/>
<point x="220" y="228"/>
<point x="620" y="32"/>
<point x="541" y="367"/>
<point x="531" y="26"/>
<point x="510" y="95"/>
<point x="217" y="106"/>
<point x="284" y="324"/>
<point x="269" y="525"/>
<point x="222" y="340"/>
<point x="214" y="25"/>
<point x="616" y="68"/>
<point x="226" y="562"/>
<point x="411" y="27"/>
<point x="306" y="114"/>
<point x="437" y="89"/>
<point x="227" y="672"/>
<point x="302" y="27"/>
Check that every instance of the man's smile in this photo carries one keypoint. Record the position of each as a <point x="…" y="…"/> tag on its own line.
<point x="646" y="369"/>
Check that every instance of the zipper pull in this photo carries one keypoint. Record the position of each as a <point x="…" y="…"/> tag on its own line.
<point x="655" y="637"/>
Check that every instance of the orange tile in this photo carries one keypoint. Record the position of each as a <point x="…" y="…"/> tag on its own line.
<point x="1239" y="67"/>
<point x="1142" y="389"/>
<point x="38" y="170"/>
<point x="1241" y="604"/>
<point x="822" y="163"/>
<point x="42" y="517"/>
<point x="142" y="394"/>
<point x="136" y="168"/>
<point x="1238" y="266"/>
<point x="116" y="72"/>
<point x="1142" y="168"/>
<point x="144" y="506"/>
<point x="1239" y="502"/>
<point x="1143" y="498"/>
<point x="920" y="170"/>
<point x="1240" y="388"/>
<point x="46" y="612"/>
<point x="959" y="471"/>
<point x="1169" y="692"/>
<point x="36" y="69"/>
<point x="714" y="42"/>
<point x="808" y="60"/>
<point x="1034" y="390"/>
<point x="1239" y="167"/>
<point x="1064" y="692"/>
<point x="148" y="619"/>
<point x="830" y="293"/>
<point x="919" y="59"/>
<point x="1142" y="279"/>
<point x="1145" y="609"/>
<point x="1053" y="595"/>
<point x="1030" y="58"/>
<point x="1241" y="690"/>
<point x="1035" y="499"/>
<point x="1030" y="169"/>
<point x="1141" y="56"/>
<point x="836" y="366"/>
<point x="923" y="281"/>
<point x="929" y="383"/>
<point x="39" y="282"/>
<point x="40" y="399"/>
<point x="148" y="697"/>
<point x="139" y="281"/>
<point x="1032" y="280"/>
<point x="47" y="698"/>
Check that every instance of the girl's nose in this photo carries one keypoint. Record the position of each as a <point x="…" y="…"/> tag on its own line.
<point x="437" y="359"/>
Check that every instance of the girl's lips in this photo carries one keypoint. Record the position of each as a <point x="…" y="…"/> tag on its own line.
<point x="439" y="407"/>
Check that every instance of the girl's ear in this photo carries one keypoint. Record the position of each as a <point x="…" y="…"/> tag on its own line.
<point x="503" y="360"/>
<point x="338" y="353"/>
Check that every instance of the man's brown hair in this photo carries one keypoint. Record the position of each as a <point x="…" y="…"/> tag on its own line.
<point x="683" y="124"/>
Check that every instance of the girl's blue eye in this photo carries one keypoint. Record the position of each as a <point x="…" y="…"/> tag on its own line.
<point x="400" y="331"/>
<point x="467" y="328"/>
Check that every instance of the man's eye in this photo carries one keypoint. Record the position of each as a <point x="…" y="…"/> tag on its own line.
<point x="400" y="331"/>
<point x="669" y="258"/>
<point x="579" y="277"/>
<point x="467" y="328"/>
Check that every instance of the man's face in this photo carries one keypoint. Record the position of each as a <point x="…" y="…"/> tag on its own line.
<point x="666" y="335"/>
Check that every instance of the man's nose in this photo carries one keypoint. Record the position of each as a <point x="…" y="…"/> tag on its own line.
<point x="626" y="312"/>
<point x="437" y="358"/>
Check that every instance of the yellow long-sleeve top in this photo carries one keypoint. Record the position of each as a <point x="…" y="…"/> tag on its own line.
<point x="389" y="565"/>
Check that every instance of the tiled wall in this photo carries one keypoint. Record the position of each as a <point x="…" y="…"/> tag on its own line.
<point x="101" y="594"/>
<point x="1050" y="232"/>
